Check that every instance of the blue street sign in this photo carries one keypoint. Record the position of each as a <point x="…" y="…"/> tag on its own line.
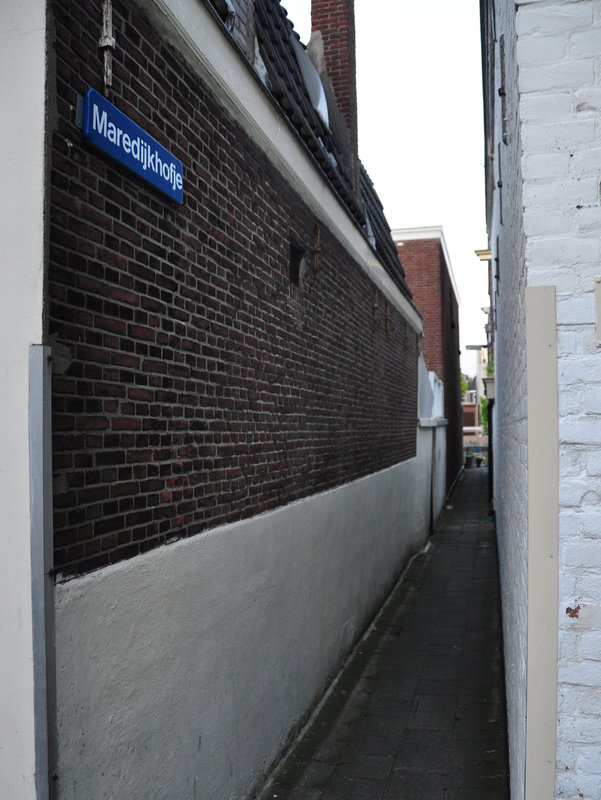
<point x="119" y="137"/>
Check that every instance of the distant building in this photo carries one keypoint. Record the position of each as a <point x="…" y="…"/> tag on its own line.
<point x="470" y="413"/>
<point x="425" y="258"/>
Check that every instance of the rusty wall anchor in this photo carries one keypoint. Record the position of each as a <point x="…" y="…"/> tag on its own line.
<point x="316" y="249"/>
<point x="107" y="44"/>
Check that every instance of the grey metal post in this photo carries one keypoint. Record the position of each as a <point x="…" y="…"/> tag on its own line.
<point x="40" y="471"/>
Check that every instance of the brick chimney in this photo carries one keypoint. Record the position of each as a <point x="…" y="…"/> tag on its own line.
<point x="333" y="24"/>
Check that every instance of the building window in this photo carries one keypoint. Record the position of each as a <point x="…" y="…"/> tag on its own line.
<point x="226" y="11"/>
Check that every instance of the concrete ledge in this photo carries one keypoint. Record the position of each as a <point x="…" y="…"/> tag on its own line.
<point x="433" y="422"/>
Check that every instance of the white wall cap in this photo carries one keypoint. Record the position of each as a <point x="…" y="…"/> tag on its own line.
<point x="411" y="234"/>
<point x="433" y="422"/>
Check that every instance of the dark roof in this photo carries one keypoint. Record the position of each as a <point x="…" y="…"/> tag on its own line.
<point x="384" y="244"/>
<point x="277" y="41"/>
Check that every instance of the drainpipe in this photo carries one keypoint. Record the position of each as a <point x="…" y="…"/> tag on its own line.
<point x="42" y="588"/>
<point x="433" y="481"/>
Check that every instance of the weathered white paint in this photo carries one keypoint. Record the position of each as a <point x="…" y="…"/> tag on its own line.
<point x="191" y="28"/>
<point x="438" y="475"/>
<point x="543" y="524"/>
<point x="183" y="672"/>
<point x="431" y="418"/>
<point x="22" y="165"/>
<point x="438" y="391"/>
<point x="561" y="160"/>
<point x="545" y="233"/>
<point x="439" y="470"/>
<point x="510" y="412"/>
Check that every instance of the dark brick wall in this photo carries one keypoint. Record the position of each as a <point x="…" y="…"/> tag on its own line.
<point x="451" y="377"/>
<point x="428" y="278"/>
<point x="193" y="383"/>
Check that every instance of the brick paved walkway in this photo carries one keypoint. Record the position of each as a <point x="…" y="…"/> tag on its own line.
<point x="418" y="713"/>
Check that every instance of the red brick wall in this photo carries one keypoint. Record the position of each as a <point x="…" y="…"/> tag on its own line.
<point x="423" y="263"/>
<point x="430" y="283"/>
<point x="469" y="416"/>
<point x="336" y="21"/>
<point x="193" y="384"/>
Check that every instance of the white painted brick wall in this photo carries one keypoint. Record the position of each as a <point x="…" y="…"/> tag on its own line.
<point x="560" y="98"/>
<point x="540" y="107"/>
<point x="510" y="446"/>
<point x="561" y="75"/>
<point x="566" y="134"/>
<point x="562" y="251"/>
<point x="548" y="18"/>
<point x="593" y="466"/>
<point x="550" y="234"/>
<point x="585" y="43"/>
<point x="548" y="49"/>
<point x="545" y="165"/>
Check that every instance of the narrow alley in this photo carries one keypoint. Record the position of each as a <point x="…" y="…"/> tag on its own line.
<point x="418" y="712"/>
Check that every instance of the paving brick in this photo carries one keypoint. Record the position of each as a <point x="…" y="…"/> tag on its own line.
<point x="417" y="786"/>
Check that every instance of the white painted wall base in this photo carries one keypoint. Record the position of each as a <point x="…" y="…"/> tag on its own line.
<point x="22" y="165"/>
<point x="440" y="469"/>
<point x="182" y="673"/>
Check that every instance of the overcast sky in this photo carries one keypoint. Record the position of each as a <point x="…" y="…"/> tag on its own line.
<point x="420" y="128"/>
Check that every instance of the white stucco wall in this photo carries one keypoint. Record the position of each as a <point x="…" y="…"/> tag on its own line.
<point x="180" y="674"/>
<point x="22" y="99"/>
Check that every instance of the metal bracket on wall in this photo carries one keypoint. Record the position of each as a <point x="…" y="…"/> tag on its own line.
<point x="107" y="44"/>
<point x="316" y="249"/>
<point x="42" y="585"/>
<point x="79" y="111"/>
